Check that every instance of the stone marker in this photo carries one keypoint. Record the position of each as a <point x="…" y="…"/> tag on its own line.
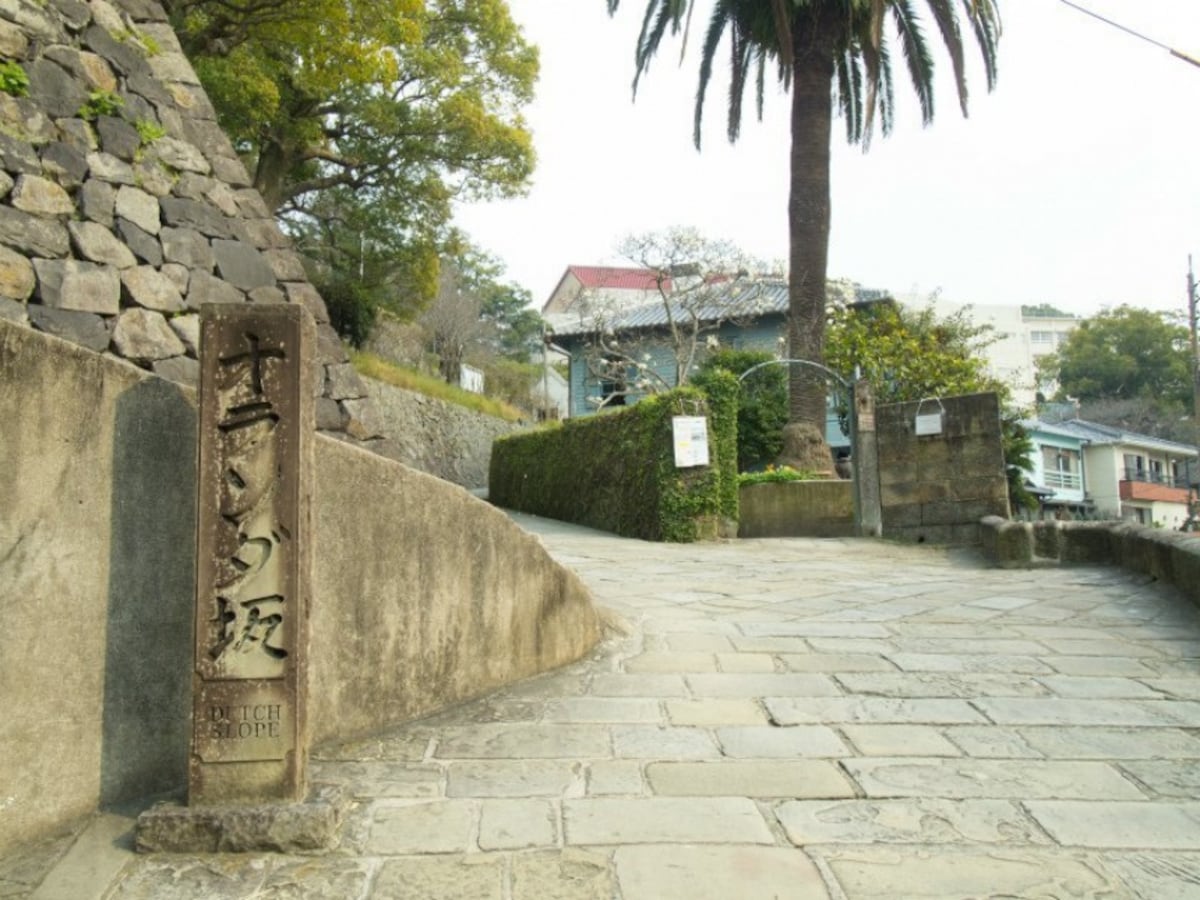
<point x="256" y="425"/>
<point x="247" y="784"/>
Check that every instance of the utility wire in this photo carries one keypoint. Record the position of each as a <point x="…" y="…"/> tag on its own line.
<point x="1179" y="54"/>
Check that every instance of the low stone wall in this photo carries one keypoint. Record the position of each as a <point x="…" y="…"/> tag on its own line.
<point x="1171" y="557"/>
<point x="796" y="509"/>
<point x="433" y="436"/>
<point x="423" y="596"/>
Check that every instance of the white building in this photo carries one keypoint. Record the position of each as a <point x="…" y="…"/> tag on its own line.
<point x="1105" y="472"/>
<point x="1024" y="332"/>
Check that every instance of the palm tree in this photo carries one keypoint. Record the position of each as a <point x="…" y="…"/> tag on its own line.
<point x="826" y="50"/>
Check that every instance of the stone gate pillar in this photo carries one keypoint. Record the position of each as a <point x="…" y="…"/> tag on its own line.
<point x="868" y="512"/>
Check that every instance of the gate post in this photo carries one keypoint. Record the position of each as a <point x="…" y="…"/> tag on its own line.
<point x="868" y="511"/>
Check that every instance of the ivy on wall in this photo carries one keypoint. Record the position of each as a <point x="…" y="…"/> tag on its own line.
<point x="616" y="471"/>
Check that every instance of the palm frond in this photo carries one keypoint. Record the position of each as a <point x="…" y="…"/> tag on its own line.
<point x="947" y="23"/>
<point x="760" y="83"/>
<point x="712" y="38"/>
<point x="849" y="78"/>
<point x="984" y="17"/>
<point x="660" y="14"/>
<point x="870" y="47"/>
<point x="887" y="100"/>
<point x="741" y="53"/>
<point x="916" y="55"/>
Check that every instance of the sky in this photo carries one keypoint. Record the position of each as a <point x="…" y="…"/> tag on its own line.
<point x="1076" y="182"/>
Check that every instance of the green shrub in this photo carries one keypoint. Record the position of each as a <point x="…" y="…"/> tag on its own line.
<point x="616" y="471"/>
<point x="100" y="103"/>
<point x="724" y="396"/>
<point x="149" y="131"/>
<point x="13" y="80"/>
<point x="762" y="403"/>
<point x="773" y="475"/>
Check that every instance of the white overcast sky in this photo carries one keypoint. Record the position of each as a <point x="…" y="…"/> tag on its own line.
<point x="1076" y="182"/>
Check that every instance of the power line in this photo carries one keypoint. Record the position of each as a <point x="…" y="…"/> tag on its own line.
<point x="1179" y="54"/>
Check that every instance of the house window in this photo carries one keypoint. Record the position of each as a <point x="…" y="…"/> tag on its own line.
<point x="1061" y="467"/>
<point x="1135" y="467"/>
<point x="1041" y="337"/>
<point x="614" y="384"/>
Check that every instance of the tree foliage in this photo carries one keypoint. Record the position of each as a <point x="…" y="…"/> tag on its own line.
<point x="909" y="354"/>
<point x="513" y="328"/>
<point x="453" y="323"/>
<point x="362" y="121"/>
<point x="818" y="47"/>
<point x="1123" y="354"/>
<point x="762" y="403"/>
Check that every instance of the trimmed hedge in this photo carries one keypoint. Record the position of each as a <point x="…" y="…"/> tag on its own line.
<point x="616" y="471"/>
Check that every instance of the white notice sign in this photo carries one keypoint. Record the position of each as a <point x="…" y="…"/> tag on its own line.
<point x="691" y="441"/>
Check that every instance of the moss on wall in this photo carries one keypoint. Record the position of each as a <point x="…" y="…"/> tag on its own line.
<point x="616" y="471"/>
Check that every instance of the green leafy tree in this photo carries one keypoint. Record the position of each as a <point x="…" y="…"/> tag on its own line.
<point x="1123" y="354"/>
<point x="1018" y="461"/>
<point x="361" y="122"/>
<point x="909" y="354"/>
<point x="514" y="328"/>
<point x="826" y="51"/>
<point x="762" y="403"/>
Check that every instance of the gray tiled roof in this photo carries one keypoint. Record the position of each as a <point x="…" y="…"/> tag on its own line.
<point x="733" y="300"/>
<point x="1095" y="433"/>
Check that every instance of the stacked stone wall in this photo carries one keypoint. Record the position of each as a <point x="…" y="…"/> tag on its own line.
<point x="123" y="206"/>
<point x="936" y="487"/>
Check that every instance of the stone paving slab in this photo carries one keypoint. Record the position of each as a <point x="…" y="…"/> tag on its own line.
<point x="1167" y="777"/>
<point x="691" y="820"/>
<point x="465" y="877"/>
<point x="716" y="711"/>
<point x="922" y="821"/>
<point x="991" y="742"/>
<point x="995" y="778"/>
<point x="1060" y="711"/>
<point x="1158" y="875"/>
<point x="749" y="778"/>
<point x="571" y="874"/>
<point x="766" y="727"/>
<point x="439" y="826"/>
<point x="899" y="740"/>
<point x="733" y="685"/>
<point x="878" y="710"/>
<point x="922" y="872"/>
<point x="517" y="825"/>
<point x="1075" y="823"/>
<point x="762" y="742"/>
<point x="1075" y="742"/>
<point x="928" y="684"/>
<point x="717" y="873"/>
<point x="512" y="777"/>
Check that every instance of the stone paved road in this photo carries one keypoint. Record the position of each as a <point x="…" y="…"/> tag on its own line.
<point x="784" y="719"/>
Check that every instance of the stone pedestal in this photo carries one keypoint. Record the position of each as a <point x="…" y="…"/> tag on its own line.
<point x="304" y="827"/>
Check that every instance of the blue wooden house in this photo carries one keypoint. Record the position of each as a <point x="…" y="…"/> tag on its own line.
<point x="619" y="355"/>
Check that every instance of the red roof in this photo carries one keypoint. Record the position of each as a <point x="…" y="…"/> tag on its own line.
<point x="616" y="277"/>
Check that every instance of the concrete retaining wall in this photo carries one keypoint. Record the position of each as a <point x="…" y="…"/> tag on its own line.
<point x="423" y="596"/>
<point x="1171" y="557"/>
<point x="796" y="509"/>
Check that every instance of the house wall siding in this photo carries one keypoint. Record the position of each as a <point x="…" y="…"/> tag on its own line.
<point x="762" y="334"/>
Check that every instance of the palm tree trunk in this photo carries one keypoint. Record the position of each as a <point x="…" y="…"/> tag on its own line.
<point x="808" y="212"/>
